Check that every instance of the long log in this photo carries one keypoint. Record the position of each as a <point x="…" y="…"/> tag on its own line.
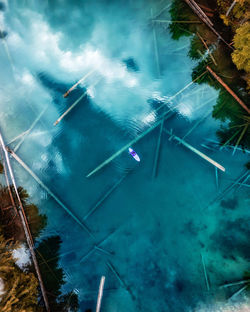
<point x="206" y="46"/>
<point x="78" y="82"/>
<point x="73" y="216"/>
<point x="198" y="11"/>
<point x="25" y="225"/>
<point x="124" y="148"/>
<point x="100" y="294"/>
<point x="242" y="104"/>
<point x="193" y="149"/>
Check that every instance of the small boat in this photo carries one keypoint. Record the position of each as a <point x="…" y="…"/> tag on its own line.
<point x="133" y="153"/>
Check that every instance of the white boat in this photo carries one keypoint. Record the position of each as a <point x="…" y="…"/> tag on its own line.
<point x="134" y="154"/>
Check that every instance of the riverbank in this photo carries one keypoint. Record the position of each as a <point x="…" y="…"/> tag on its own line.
<point x="19" y="285"/>
<point x="208" y="50"/>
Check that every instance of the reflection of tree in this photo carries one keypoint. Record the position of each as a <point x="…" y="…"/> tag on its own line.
<point x="53" y="277"/>
<point x="20" y="288"/>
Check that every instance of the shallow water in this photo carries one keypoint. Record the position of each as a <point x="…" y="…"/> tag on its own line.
<point x="151" y="230"/>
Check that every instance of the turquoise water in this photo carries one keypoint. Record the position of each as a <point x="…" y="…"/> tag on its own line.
<point x="151" y="230"/>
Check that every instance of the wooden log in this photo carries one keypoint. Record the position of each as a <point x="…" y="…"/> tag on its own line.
<point x="25" y="225"/>
<point x="231" y="7"/>
<point x="124" y="148"/>
<point x="156" y="49"/>
<point x="230" y="139"/>
<point x="240" y="137"/>
<point x="242" y="104"/>
<point x="235" y="283"/>
<point x="193" y="5"/>
<point x="73" y="105"/>
<point x="100" y="294"/>
<point x="205" y="272"/>
<point x="104" y="197"/>
<point x="161" y="11"/>
<point x="206" y="46"/>
<point x="97" y="245"/>
<point x="236" y="294"/>
<point x="196" y="124"/>
<point x="229" y="188"/>
<point x="156" y="158"/>
<point x="30" y="129"/>
<point x="60" y="203"/>
<point x="177" y="22"/>
<point x="17" y="137"/>
<point x="216" y="178"/>
<point x="205" y="8"/>
<point x="202" y="155"/>
<point x="78" y="82"/>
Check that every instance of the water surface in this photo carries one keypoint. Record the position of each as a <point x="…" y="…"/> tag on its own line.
<point x="153" y="230"/>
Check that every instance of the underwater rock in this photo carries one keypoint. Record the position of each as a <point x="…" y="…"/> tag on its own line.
<point x="233" y="239"/>
<point x="230" y="203"/>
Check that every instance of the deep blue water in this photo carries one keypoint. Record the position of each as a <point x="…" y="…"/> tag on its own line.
<point x="152" y="230"/>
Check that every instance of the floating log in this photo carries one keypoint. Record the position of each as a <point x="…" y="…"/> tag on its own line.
<point x="157" y="150"/>
<point x="25" y="225"/>
<point x="17" y="137"/>
<point x="70" y="108"/>
<point x="73" y="105"/>
<point x="30" y="129"/>
<point x="178" y="22"/>
<point x="198" y="11"/>
<point x="205" y="272"/>
<point x="206" y="46"/>
<point x="100" y="294"/>
<point x="73" y="216"/>
<point x="214" y="163"/>
<point x="180" y="91"/>
<point x="105" y="196"/>
<point x="156" y="49"/>
<point x="78" y="82"/>
<point x="107" y="161"/>
<point x="235" y="283"/>
<point x="242" y="104"/>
